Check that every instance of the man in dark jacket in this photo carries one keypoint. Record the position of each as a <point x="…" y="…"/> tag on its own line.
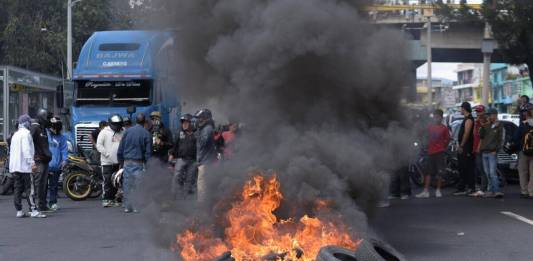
<point x="205" y="147"/>
<point x="42" y="157"/>
<point x="184" y="151"/>
<point x="161" y="137"/>
<point x="491" y="135"/>
<point x="525" y="162"/>
<point x="134" y="151"/>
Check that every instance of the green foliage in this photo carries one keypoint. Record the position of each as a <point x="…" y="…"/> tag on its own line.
<point x="24" y="43"/>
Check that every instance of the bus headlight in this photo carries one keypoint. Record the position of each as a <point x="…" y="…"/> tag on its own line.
<point x="70" y="147"/>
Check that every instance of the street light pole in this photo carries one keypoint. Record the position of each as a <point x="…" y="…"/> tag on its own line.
<point x="429" y="61"/>
<point x="70" y="4"/>
<point x="487" y="49"/>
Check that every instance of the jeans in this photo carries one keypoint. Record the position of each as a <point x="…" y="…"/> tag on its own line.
<point x="53" y="179"/>
<point x="40" y="178"/>
<point x="130" y="179"/>
<point x="489" y="166"/>
<point x="185" y="176"/>
<point x="483" y="186"/>
<point x="400" y="185"/>
<point x="525" y="172"/>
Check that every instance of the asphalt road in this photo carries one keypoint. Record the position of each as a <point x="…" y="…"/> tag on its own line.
<point x="458" y="228"/>
<point x="450" y="228"/>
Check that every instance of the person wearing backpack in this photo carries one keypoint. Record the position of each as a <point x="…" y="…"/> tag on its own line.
<point x="491" y="139"/>
<point x="523" y="139"/>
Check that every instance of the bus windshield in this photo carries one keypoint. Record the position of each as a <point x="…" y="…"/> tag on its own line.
<point x="131" y="92"/>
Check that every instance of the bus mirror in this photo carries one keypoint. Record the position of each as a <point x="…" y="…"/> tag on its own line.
<point x="60" y="100"/>
<point x="64" y="111"/>
<point x="132" y="110"/>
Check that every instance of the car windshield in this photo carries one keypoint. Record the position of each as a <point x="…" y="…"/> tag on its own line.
<point x="135" y="92"/>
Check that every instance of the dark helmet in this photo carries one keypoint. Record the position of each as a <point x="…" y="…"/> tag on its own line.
<point x="43" y="117"/>
<point x="56" y="125"/>
<point x="127" y="120"/>
<point x="204" y="114"/>
<point x="186" y="117"/>
<point x="116" y="122"/>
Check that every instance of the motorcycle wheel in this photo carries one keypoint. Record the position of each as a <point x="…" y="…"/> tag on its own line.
<point x="416" y="177"/>
<point x="6" y="185"/>
<point x="77" y="185"/>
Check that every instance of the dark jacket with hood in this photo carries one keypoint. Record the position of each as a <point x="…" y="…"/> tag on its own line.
<point x="40" y="142"/>
<point x="185" y="145"/>
<point x="205" y="144"/>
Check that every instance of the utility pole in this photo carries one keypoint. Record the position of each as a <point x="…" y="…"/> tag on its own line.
<point x="429" y="13"/>
<point x="70" y="4"/>
<point x="487" y="48"/>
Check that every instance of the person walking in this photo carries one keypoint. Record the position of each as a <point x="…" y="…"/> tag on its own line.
<point x="42" y="157"/>
<point x="467" y="182"/>
<point x="439" y="138"/>
<point x="21" y="165"/>
<point x="107" y="144"/>
<point x="134" y="151"/>
<point x="523" y="138"/>
<point x="206" y="153"/>
<point x="184" y="151"/>
<point x="491" y="135"/>
<point x="59" y="149"/>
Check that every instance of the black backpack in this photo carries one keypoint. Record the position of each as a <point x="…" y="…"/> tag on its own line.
<point x="528" y="143"/>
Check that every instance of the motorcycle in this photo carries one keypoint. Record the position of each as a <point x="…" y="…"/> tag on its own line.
<point x="82" y="177"/>
<point x="6" y="180"/>
<point x="450" y="176"/>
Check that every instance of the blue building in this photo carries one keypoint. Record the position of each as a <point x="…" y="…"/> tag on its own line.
<point x="507" y="86"/>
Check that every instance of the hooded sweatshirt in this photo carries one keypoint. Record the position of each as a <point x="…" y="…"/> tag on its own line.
<point x="107" y="144"/>
<point x="21" y="152"/>
<point x="59" y="149"/>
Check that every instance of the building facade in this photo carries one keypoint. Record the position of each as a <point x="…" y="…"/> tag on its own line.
<point x="443" y="95"/>
<point x="508" y="84"/>
<point x="468" y="85"/>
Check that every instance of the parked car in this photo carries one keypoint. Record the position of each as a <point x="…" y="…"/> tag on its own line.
<point x="514" y="118"/>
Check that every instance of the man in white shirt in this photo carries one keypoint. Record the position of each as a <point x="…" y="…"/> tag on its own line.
<point x="22" y="164"/>
<point x="107" y="144"/>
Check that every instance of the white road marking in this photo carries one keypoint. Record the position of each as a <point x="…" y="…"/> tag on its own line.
<point x="518" y="217"/>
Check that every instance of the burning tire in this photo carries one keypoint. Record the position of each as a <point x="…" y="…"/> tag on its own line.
<point x="368" y="250"/>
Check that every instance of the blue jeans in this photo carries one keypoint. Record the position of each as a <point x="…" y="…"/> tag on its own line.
<point x="489" y="166"/>
<point x="53" y="180"/>
<point x="130" y="179"/>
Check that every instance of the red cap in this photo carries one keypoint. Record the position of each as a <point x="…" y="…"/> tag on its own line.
<point x="479" y="109"/>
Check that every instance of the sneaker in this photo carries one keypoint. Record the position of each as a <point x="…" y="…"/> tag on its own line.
<point x="438" y="194"/>
<point x="37" y="214"/>
<point x="476" y="194"/>
<point x="460" y="193"/>
<point x="46" y="210"/>
<point x="498" y="195"/>
<point x="393" y="197"/>
<point x="128" y="210"/>
<point x="404" y="197"/>
<point x="116" y="204"/>
<point x="423" y="194"/>
<point x="54" y="207"/>
<point x="106" y="203"/>
<point x="524" y="195"/>
<point x="21" y="214"/>
<point x="489" y="195"/>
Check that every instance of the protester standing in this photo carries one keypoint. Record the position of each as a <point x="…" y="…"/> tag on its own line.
<point x="161" y="137"/>
<point x="134" y="151"/>
<point x="523" y="138"/>
<point x="467" y="183"/>
<point x="439" y="138"/>
<point x="42" y="157"/>
<point x="21" y="165"/>
<point x="107" y="144"/>
<point x="229" y="137"/>
<point x="481" y="120"/>
<point x="491" y="142"/>
<point x="59" y="149"/>
<point x="184" y="151"/>
<point x="205" y="148"/>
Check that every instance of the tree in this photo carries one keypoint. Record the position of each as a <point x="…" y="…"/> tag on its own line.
<point x="33" y="33"/>
<point x="511" y="22"/>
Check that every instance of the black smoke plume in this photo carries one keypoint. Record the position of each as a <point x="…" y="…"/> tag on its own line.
<point x="317" y="86"/>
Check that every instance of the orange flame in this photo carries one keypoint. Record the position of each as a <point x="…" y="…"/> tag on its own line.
<point x="254" y="232"/>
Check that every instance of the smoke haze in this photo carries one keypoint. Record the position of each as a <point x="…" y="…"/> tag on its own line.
<point x="318" y="88"/>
